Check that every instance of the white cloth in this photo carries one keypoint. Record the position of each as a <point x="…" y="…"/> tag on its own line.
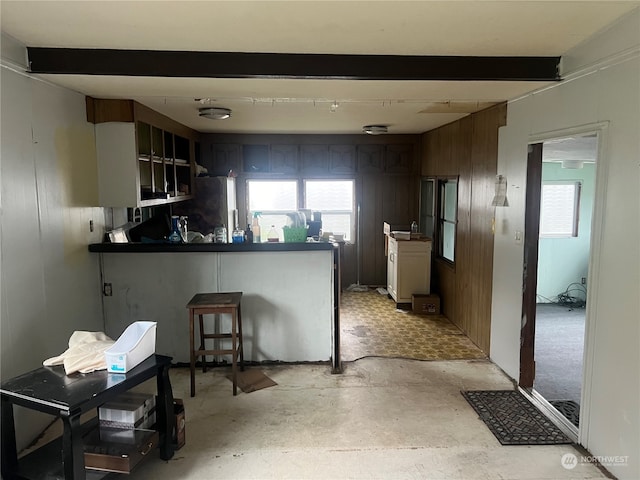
<point x="85" y="353"/>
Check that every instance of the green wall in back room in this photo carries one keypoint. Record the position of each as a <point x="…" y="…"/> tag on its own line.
<point x="563" y="261"/>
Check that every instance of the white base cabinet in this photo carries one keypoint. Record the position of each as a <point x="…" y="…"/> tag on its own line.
<point x="408" y="268"/>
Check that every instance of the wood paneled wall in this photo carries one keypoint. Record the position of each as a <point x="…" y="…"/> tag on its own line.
<point x="386" y="170"/>
<point x="468" y="148"/>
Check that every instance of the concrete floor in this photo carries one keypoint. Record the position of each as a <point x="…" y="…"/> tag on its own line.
<point x="381" y="418"/>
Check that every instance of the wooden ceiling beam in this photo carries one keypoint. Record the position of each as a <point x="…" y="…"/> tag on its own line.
<point x="164" y="63"/>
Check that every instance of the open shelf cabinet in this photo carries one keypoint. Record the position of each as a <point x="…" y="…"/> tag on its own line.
<point x="144" y="158"/>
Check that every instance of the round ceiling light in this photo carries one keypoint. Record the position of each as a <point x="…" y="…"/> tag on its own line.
<point x="215" y="113"/>
<point x="375" y="129"/>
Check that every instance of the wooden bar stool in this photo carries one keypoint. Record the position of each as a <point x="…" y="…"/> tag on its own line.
<point x="216" y="303"/>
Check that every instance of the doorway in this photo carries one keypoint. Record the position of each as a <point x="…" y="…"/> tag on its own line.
<point x="561" y="179"/>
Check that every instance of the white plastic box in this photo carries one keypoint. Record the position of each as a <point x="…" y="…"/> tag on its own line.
<point x="136" y="343"/>
<point x="129" y="410"/>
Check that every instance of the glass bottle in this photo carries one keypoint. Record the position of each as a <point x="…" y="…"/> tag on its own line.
<point x="220" y="235"/>
<point x="414" y="227"/>
<point x="175" y="236"/>
<point x="273" y="235"/>
<point x="255" y="227"/>
<point x="184" y="229"/>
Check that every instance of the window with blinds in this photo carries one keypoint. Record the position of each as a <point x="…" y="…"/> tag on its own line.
<point x="559" y="208"/>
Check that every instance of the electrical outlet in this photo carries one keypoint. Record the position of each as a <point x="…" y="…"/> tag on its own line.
<point x="584" y="280"/>
<point x="91" y="225"/>
<point x="107" y="290"/>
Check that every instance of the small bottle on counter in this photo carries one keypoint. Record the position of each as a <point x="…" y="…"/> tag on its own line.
<point x="414" y="227"/>
<point x="238" y="235"/>
<point x="273" y="235"/>
<point x="220" y="235"/>
<point x="255" y="228"/>
<point x="248" y="234"/>
<point x="184" y="229"/>
<point x="175" y="236"/>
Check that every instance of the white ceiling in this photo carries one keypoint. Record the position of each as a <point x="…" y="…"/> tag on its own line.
<point x="469" y="28"/>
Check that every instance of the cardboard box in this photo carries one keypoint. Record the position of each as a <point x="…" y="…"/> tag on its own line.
<point x="425" y="304"/>
<point x="129" y="410"/>
<point x="179" y="436"/>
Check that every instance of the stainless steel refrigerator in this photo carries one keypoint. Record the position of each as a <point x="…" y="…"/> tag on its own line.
<point x="214" y="205"/>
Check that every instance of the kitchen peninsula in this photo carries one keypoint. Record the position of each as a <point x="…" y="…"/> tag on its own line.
<point x="289" y="303"/>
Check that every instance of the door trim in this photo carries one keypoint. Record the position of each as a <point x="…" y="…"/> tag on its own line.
<point x="530" y="266"/>
<point x="595" y="254"/>
<point x="597" y="233"/>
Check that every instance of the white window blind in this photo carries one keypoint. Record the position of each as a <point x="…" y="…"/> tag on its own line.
<point x="559" y="205"/>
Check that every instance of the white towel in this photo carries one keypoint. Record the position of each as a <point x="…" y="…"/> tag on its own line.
<point x="85" y="353"/>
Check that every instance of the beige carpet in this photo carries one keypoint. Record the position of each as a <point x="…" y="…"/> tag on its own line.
<point x="372" y="326"/>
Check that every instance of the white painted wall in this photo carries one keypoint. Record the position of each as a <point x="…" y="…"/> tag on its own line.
<point x="50" y="282"/>
<point x="287" y="302"/>
<point x="607" y="91"/>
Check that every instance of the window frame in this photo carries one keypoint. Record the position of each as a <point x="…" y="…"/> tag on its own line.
<point x="301" y="200"/>
<point x="349" y="236"/>
<point x="438" y="206"/>
<point x="441" y="221"/>
<point x="428" y="206"/>
<point x="266" y="213"/>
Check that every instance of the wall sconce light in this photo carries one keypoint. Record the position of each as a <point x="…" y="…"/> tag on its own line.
<point x="573" y="164"/>
<point x="500" y="197"/>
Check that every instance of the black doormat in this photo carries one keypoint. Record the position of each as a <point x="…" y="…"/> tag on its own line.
<point x="513" y="419"/>
<point x="569" y="409"/>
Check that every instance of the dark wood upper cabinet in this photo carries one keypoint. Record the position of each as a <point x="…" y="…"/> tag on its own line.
<point x="255" y="158"/>
<point x="370" y="158"/>
<point x="224" y="157"/>
<point x="342" y="159"/>
<point x="284" y="159"/>
<point x="398" y="158"/>
<point x="315" y="159"/>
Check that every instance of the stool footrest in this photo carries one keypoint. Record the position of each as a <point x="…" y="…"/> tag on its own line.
<point x="218" y="335"/>
<point x="215" y="352"/>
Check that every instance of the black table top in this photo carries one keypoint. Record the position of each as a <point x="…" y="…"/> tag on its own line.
<point x="209" y="247"/>
<point x="50" y="390"/>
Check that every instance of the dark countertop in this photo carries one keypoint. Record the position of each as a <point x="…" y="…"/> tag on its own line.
<point x="208" y="247"/>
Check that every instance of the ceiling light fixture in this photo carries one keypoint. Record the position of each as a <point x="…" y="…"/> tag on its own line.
<point x="215" y="113"/>
<point x="567" y="163"/>
<point x="375" y="129"/>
